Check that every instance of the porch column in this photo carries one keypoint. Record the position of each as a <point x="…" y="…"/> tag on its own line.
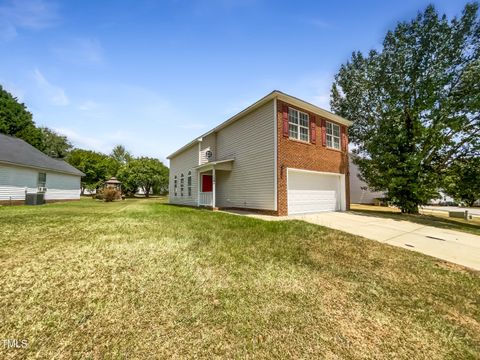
<point x="214" y="185"/>
<point x="198" y="187"/>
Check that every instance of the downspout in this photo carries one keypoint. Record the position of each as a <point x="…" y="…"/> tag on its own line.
<point x="275" y="155"/>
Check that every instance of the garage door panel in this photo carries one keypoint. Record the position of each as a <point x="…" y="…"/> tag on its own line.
<point x="312" y="192"/>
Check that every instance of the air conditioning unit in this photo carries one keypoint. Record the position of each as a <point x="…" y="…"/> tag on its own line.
<point x="34" y="198"/>
<point x="42" y="189"/>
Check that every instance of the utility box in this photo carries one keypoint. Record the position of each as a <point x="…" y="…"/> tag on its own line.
<point x="35" y="198"/>
<point x="459" y="214"/>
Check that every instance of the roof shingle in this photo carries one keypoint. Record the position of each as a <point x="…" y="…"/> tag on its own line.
<point x="16" y="151"/>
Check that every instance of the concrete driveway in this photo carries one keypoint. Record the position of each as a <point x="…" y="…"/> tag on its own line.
<point x="454" y="246"/>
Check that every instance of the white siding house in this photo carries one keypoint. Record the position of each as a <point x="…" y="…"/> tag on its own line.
<point x="237" y="164"/>
<point x="24" y="169"/>
<point x="360" y="193"/>
<point x="249" y="144"/>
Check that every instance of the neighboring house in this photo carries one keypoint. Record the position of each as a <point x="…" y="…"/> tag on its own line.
<point x="24" y="168"/>
<point x="281" y="155"/>
<point x="360" y="193"/>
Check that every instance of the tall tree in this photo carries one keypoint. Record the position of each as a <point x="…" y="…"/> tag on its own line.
<point x="463" y="181"/>
<point x="54" y="144"/>
<point x="145" y="173"/>
<point x="16" y="120"/>
<point x="120" y="157"/>
<point x="415" y="104"/>
<point x="120" y="154"/>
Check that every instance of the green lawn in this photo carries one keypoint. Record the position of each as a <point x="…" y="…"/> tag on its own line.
<point x="437" y="220"/>
<point x="139" y="279"/>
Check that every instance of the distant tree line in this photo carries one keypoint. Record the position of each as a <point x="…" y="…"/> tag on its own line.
<point x="148" y="174"/>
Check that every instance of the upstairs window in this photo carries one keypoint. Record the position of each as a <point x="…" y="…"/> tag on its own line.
<point x="189" y="183"/>
<point x="175" y="186"/>
<point x="181" y="184"/>
<point x="333" y="135"/>
<point x="298" y="125"/>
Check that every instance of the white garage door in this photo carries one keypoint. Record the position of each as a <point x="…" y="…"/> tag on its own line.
<point x="310" y="192"/>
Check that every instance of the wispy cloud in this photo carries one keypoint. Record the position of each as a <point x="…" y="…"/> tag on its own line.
<point x="55" y="94"/>
<point x="84" y="141"/>
<point x="81" y="51"/>
<point x="319" y="23"/>
<point x="26" y="14"/>
<point x="88" y="105"/>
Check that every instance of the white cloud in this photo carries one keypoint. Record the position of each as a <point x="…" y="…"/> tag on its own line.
<point x="88" y="105"/>
<point x="81" y="51"/>
<point x="26" y="14"/>
<point x="55" y="94"/>
<point x="314" y="88"/>
<point x="84" y="141"/>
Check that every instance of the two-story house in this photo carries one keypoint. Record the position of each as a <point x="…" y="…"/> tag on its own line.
<point x="281" y="155"/>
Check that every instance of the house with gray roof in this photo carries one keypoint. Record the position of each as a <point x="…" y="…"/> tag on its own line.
<point x="25" y="169"/>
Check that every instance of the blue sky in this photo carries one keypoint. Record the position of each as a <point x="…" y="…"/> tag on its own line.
<point x="152" y="75"/>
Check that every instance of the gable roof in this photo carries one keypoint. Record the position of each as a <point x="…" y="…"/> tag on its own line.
<point x="15" y="151"/>
<point x="275" y="94"/>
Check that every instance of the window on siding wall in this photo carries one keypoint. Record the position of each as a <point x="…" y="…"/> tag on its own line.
<point x="42" y="180"/>
<point x="181" y="184"/>
<point x="333" y="135"/>
<point x="298" y="125"/>
<point x="189" y="183"/>
<point x="175" y="186"/>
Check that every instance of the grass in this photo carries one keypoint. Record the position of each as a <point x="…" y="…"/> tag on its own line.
<point x="140" y="279"/>
<point x="435" y="219"/>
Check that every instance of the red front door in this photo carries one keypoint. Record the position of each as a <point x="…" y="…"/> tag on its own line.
<point x="207" y="183"/>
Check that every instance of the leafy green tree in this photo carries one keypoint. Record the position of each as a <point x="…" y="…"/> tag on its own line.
<point x="17" y="121"/>
<point x="120" y="157"/>
<point x="96" y="167"/>
<point x="54" y="144"/>
<point x="145" y="173"/>
<point x="120" y="154"/>
<point x="463" y="181"/>
<point x="415" y="104"/>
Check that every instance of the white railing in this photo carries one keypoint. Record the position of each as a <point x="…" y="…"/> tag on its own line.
<point x="206" y="199"/>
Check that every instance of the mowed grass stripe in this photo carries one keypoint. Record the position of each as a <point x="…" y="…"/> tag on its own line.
<point x="143" y="279"/>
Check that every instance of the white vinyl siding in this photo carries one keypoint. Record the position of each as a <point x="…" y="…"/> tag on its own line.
<point x="182" y="164"/>
<point x="62" y="187"/>
<point x="207" y="144"/>
<point x="250" y="142"/>
<point x="360" y="193"/>
<point x="14" y="180"/>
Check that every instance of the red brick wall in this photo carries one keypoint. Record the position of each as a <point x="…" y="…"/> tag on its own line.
<point x="308" y="156"/>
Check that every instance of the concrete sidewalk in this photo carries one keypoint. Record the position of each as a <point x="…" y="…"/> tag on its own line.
<point x="454" y="246"/>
